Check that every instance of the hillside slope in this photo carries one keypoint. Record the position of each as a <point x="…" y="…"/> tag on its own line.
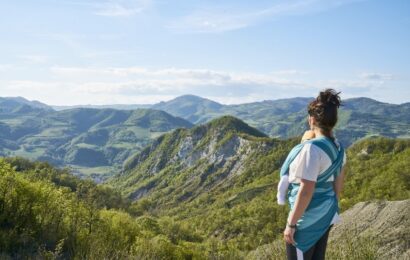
<point x="284" y="118"/>
<point x="225" y="171"/>
<point x="368" y="230"/>
<point x="387" y="223"/>
<point x="193" y="160"/>
<point x="91" y="141"/>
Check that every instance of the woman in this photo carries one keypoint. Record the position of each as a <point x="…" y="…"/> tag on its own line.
<point x="314" y="171"/>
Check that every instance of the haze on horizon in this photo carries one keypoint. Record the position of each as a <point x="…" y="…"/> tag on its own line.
<point x="146" y="51"/>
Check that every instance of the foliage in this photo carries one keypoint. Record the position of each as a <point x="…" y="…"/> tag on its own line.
<point x="93" y="142"/>
<point x="46" y="212"/>
<point x="378" y="168"/>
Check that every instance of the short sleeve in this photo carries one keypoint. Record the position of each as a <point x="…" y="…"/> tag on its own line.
<point x="306" y="165"/>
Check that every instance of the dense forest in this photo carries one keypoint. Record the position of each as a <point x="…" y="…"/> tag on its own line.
<point x="48" y="213"/>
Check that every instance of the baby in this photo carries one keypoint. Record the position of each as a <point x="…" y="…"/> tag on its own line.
<point x="284" y="180"/>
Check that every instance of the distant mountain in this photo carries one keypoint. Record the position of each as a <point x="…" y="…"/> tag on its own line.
<point x="92" y="141"/>
<point x="113" y="106"/>
<point x="284" y="118"/>
<point x="190" y="107"/>
<point x="20" y="105"/>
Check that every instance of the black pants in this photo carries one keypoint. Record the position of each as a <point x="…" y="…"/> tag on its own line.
<point x="316" y="252"/>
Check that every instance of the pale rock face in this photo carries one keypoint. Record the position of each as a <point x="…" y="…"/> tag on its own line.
<point x="388" y="222"/>
<point x="204" y="158"/>
<point x="385" y="223"/>
<point x="185" y="148"/>
<point x="232" y="153"/>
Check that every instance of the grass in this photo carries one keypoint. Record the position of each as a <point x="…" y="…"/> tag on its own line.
<point x="92" y="172"/>
<point x="346" y="248"/>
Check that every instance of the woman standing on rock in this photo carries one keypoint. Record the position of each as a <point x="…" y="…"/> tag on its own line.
<point x="312" y="178"/>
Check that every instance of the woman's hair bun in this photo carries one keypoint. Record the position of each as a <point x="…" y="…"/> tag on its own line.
<point x="328" y="97"/>
<point x="324" y="109"/>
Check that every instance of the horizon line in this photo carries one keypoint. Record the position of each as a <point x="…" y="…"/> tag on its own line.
<point x="179" y="96"/>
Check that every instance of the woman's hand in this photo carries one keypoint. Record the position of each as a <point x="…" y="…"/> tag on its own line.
<point x="309" y="134"/>
<point x="288" y="235"/>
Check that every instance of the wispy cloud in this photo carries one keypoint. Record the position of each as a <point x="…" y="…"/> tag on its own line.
<point x="376" y="76"/>
<point x="176" y="78"/>
<point x="120" y="8"/>
<point x="104" y="85"/>
<point x="114" y="8"/>
<point x="227" y="18"/>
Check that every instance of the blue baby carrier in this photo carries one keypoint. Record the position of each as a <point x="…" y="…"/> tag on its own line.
<point x="324" y="205"/>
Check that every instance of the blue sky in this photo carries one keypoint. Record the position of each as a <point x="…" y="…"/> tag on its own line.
<point x="67" y="52"/>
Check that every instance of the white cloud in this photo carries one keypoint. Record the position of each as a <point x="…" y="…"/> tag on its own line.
<point x="228" y="18"/>
<point x="115" y="9"/>
<point x="108" y="85"/>
<point x="175" y="78"/>
<point x="112" y="8"/>
<point x="376" y="76"/>
<point x="118" y="8"/>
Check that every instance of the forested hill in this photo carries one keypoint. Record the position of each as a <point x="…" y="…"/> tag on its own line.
<point x="96" y="142"/>
<point x="48" y="213"/>
<point x="284" y="118"/>
<point x="92" y="141"/>
<point x="231" y="179"/>
<point x="188" y="162"/>
<point x="20" y="105"/>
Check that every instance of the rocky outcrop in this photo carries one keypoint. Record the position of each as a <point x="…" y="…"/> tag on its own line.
<point x="386" y="223"/>
<point x="206" y="156"/>
<point x="368" y="230"/>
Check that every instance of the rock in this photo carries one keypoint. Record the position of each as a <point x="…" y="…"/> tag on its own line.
<point x="368" y="230"/>
<point x="386" y="223"/>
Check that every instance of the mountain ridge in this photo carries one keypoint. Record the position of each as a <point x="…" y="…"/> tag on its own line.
<point x="92" y="141"/>
<point x="219" y="145"/>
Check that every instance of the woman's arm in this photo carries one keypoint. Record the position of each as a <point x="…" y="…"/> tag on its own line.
<point x="338" y="184"/>
<point x="303" y="198"/>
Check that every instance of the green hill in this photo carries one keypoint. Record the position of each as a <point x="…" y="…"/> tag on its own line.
<point x="94" y="142"/>
<point x="47" y="213"/>
<point x="284" y="118"/>
<point x="21" y="105"/>
<point x="202" y="200"/>
<point x="230" y="177"/>
<point x="205" y="155"/>
<point x="190" y="107"/>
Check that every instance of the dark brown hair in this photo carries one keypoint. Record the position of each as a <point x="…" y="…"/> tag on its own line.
<point x="324" y="109"/>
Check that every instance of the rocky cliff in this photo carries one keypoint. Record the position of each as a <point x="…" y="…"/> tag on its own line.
<point x="369" y="230"/>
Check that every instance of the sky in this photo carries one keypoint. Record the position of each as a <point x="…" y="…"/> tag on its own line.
<point x="71" y="52"/>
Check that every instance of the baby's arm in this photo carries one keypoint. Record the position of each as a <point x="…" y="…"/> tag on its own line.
<point x="282" y="189"/>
